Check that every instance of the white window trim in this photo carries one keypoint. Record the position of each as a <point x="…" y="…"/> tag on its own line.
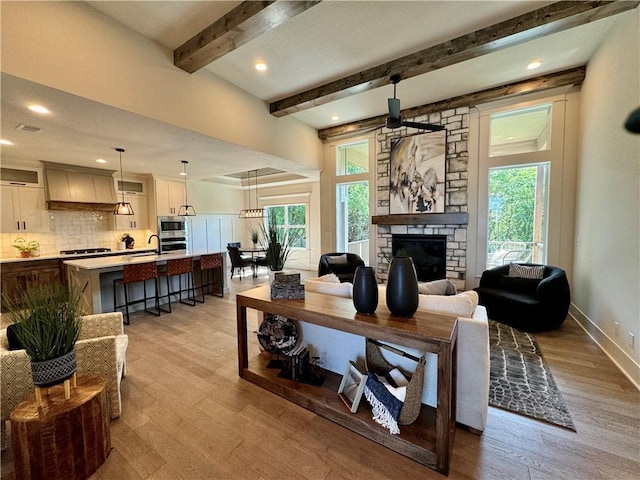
<point x="479" y="165"/>
<point x="331" y="180"/>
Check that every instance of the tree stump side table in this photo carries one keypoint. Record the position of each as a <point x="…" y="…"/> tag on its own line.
<point x="62" y="439"/>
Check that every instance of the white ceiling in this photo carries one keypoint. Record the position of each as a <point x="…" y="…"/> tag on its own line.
<point x="328" y="41"/>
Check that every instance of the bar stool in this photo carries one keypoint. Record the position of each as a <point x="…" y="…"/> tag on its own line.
<point x="134" y="273"/>
<point x="179" y="267"/>
<point x="209" y="265"/>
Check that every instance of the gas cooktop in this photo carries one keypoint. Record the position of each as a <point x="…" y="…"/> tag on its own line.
<point x="78" y="251"/>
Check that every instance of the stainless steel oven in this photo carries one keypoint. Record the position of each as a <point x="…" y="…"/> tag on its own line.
<point x="173" y="234"/>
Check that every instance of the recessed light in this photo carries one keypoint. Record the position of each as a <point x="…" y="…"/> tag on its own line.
<point x="5" y="142"/>
<point x="535" y="64"/>
<point x="38" y="109"/>
<point x="100" y="160"/>
<point x="184" y="174"/>
<point x="335" y="117"/>
<point x="260" y="66"/>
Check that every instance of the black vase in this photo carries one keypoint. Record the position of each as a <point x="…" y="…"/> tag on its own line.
<point x="365" y="290"/>
<point x="402" y="287"/>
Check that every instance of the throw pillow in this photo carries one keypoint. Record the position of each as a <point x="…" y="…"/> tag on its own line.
<point x="518" y="285"/>
<point x="437" y="287"/>
<point x="329" y="278"/>
<point x="341" y="268"/>
<point x="451" y="288"/>
<point x="328" y="288"/>
<point x="526" y="271"/>
<point x="337" y="259"/>
<point x="12" y="338"/>
<point x="460" y="305"/>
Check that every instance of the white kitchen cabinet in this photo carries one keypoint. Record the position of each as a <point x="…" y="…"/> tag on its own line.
<point x="169" y="197"/>
<point x="23" y="209"/>
<point x="139" y="220"/>
<point x="21" y="176"/>
<point x="131" y="186"/>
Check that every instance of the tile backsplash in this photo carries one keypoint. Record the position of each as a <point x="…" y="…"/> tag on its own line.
<point x="71" y="229"/>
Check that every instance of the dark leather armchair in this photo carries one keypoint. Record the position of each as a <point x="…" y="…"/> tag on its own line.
<point x="343" y="265"/>
<point x="526" y="304"/>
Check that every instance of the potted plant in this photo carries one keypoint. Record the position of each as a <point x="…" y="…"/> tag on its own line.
<point x="279" y="243"/>
<point x="25" y="248"/>
<point x="255" y="237"/>
<point x="35" y="248"/>
<point x="47" y="326"/>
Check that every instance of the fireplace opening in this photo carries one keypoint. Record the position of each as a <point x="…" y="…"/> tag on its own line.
<point x="429" y="254"/>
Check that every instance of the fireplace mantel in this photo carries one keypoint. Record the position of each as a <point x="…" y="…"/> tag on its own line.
<point x="453" y="218"/>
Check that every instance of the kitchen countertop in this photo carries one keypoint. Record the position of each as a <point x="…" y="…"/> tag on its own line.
<point x="120" y="253"/>
<point x="120" y="260"/>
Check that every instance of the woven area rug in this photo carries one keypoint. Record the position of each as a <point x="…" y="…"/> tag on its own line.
<point x="521" y="381"/>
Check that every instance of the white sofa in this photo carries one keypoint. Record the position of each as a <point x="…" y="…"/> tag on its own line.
<point x="336" y="348"/>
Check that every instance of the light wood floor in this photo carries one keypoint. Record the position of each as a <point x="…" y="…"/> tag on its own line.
<point x="186" y="414"/>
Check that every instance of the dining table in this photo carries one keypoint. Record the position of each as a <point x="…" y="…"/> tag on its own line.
<point x="255" y="253"/>
<point x="252" y="250"/>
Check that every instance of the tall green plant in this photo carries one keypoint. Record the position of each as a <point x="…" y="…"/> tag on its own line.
<point x="48" y="321"/>
<point x="279" y="242"/>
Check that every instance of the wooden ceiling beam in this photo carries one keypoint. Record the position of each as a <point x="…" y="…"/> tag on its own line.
<point x="574" y="76"/>
<point x="247" y="21"/>
<point x="544" y="21"/>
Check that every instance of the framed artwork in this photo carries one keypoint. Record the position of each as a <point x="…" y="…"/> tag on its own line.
<point x="352" y="387"/>
<point x="417" y="176"/>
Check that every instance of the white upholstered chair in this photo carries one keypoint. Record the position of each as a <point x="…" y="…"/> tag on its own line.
<point x="100" y="351"/>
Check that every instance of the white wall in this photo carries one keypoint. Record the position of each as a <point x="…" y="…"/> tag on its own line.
<point x="77" y="49"/>
<point x="606" y="284"/>
<point x="209" y="197"/>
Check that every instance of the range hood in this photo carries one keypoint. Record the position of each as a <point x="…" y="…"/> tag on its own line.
<point x="70" y="187"/>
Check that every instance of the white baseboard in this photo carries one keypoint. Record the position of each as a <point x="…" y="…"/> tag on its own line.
<point x="627" y="365"/>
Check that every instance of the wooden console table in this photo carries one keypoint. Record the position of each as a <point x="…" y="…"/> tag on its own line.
<point x="429" y="440"/>
<point x="62" y="439"/>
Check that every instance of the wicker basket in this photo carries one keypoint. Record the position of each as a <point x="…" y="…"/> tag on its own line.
<point x="377" y="364"/>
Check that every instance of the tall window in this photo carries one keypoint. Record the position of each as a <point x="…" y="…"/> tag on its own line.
<point x="352" y="198"/>
<point x="293" y="220"/>
<point x="520" y="184"/>
<point x="352" y="158"/>
<point x="521" y="131"/>
<point x="353" y="216"/>
<point x="517" y="214"/>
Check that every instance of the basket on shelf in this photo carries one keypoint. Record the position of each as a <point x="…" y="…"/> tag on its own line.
<point x="377" y="364"/>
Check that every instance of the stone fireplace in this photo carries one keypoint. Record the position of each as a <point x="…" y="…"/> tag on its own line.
<point x="452" y="225"/>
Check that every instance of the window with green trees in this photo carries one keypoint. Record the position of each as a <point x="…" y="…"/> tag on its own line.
<point x="291" y="219"/>
<point x="517" y="214"/>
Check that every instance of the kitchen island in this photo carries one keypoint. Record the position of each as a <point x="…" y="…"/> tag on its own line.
<point x="20" y="274"/>
<point x="94" y="276"/>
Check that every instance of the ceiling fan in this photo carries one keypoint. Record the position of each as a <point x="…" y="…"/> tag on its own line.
<point x="394" y="120"/>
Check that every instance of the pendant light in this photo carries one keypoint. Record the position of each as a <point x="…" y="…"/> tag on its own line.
<point x="122" y="208"/>
<point x="252" y="212"/>
<point x="186" y="210"/>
